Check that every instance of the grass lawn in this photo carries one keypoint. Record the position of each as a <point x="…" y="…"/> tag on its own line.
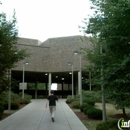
<point x="111" y="113"/>
<point x="110" y="110"/>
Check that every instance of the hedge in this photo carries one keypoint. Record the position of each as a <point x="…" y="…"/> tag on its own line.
<point x="109" y="125"/>
<point x="94" y="113"/>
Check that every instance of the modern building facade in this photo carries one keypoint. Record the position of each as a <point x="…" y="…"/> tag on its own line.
<point x="48" y="61"/>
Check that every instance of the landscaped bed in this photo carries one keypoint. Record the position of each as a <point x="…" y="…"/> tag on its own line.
<point x="111" y="114"/>
<point x="90" y="112"/>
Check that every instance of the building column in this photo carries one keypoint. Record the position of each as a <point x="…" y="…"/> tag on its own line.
<point x="62" y="88"/>
<point x="36" y="89"/>
<point x="49" y="84"/>
<point x="46" y="90"/>
<point x="79" y="82"/>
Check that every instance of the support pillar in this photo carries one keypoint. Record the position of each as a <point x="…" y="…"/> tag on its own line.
<point x="76" y="86"/>
<point x="78" y="82"/>
<point x="36" y="89"/>
<point x="49" y="84"/>
<point x="46" y="90"/>
<point x="62" y="88"/>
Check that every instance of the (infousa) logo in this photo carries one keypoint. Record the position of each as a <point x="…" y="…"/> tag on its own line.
<point x="122" y="124"/>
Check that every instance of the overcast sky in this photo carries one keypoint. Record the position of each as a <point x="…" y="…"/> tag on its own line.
<point x="43" y="19"/>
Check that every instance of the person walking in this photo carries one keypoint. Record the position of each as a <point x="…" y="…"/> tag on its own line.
<point x="51" y="100"/>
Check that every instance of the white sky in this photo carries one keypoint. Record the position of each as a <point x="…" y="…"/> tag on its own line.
<point x="43" y="19"/>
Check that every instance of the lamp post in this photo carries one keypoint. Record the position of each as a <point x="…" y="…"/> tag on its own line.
<point x="9" y="95"/>
<point x="71" y="64"/>
<point x="80" y="76"/>
<point x="25" y="63"/>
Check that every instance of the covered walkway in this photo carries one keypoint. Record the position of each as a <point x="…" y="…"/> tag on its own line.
<point x="36" y="116"/>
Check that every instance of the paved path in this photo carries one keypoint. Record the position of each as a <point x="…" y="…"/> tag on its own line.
<point x="36" y="116"/>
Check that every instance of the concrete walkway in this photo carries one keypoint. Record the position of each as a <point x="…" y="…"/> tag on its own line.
<point x="36" y="116"/>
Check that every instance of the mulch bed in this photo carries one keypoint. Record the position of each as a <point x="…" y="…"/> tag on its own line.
<point x="4" y="116"/>
<point x="118" y="116"/>
<point x="83" y="116"/>
<point x="8" y="114"/>
<point x="80" y="114"/>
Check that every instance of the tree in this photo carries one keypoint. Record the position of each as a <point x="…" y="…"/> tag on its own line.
<point x="9" y="54"/>
<point x="110" y="25"/>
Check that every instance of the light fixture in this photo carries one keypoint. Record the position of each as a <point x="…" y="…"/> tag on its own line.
<point x="76" y="52"/>
<point x="69" y="63"/>
<point x="26" y="63"/>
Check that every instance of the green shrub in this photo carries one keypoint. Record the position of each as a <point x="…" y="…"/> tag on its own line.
<point x="69" y="99"/>
<point x="2" y="103"/>
<point x="94" y="113"/>
<point x="14" y="106"/>
<point x="19" y="101"/>
<point x="27" y="98"/>
<point x="109" y="125"/>
<point x="17" y="97"/>
<point x="96" y="95"/>
<point x="91" y="101"/>
<point x="76" y="104"/>
<point x="82" y="106"/>
<point x="76" y="97"/>
<point x="101" y="126"/>
<point x="1" y="110"/>
<point x="14" y="96"/>
<point x="25" y="101"/>
<point x="86" y="108"/>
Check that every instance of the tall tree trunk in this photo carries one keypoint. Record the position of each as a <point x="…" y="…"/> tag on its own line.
<point x="124" y="112"/>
